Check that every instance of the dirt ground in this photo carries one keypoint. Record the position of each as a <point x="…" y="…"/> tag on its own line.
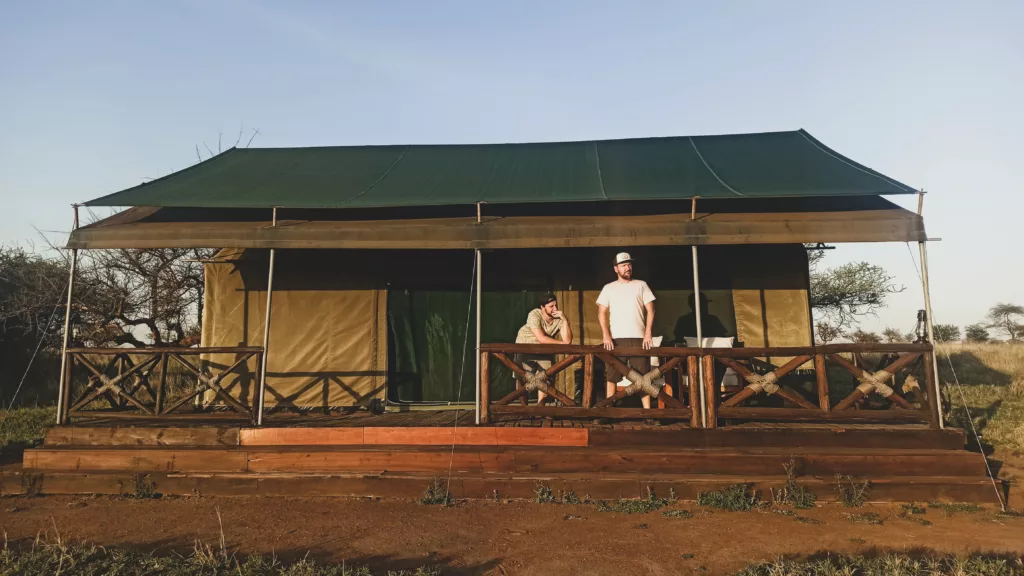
<point x="496" y="537"/>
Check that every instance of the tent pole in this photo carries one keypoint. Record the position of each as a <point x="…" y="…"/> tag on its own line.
<point x="479" y="293"/>
<point x="61" y="384"/>
<point x="700" y="339"/>
<point x="700" y="331"/>
<point x="266" y="332"/>
<point x="923" y="249"/>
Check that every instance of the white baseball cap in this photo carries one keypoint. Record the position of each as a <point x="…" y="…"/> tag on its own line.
<point x="622" y="258"/>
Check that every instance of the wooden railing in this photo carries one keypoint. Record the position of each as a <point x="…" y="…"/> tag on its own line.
<point x="678" y="364"/>
<point x="134" y="383"/>
<point x="894" y="384"/>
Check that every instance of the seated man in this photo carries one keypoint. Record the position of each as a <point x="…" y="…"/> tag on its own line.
<point x="542" y="325"/>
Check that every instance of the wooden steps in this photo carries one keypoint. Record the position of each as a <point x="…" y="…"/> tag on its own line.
<point x="832" y="436"/>
<point x="506" y="459"/>
<point x="412" y="485"/>
<point x="901" y="463"/>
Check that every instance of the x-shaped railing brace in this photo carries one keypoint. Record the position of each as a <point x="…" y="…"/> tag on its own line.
<point x="767" y="383"/>
<point x="112" y="385"/>
<point x="628" y="372"/>
<point x="873" y="382"/>
<point x="521" y="392"/>
<point x="211" y="383"/>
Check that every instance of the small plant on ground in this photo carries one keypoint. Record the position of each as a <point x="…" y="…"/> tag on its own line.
<point x="144" y="488"/>
<point x="865" y="518"/>
<point x="735" y="498"/>
<point x="677" y="514"/>
<point x="951" y="508"/>
<point x="635" y="506"/>
<point x="793" y="494"/>
<point x="436" y="493"/>
<point x="806" y="520"/>
<point x="31" y="484"/>
<point x="569" y="497"/>
<point x="912" y="508"/>
<point x="544" y="494"/>
<point x="851" y="493"/>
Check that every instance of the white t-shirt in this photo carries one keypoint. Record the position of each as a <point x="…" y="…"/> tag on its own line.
<point x="626" y="302"/>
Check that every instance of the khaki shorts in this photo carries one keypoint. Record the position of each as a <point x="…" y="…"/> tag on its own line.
<point x="534" y="362"/>
<point x="641" y="364"/>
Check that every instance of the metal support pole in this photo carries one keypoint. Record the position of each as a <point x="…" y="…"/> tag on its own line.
<point x="61" y="392"/>
<point x="479" y="300"/>
<point x="700" y="338"/>
<point x="266" y="332"/>
<point x="923" y="250"/>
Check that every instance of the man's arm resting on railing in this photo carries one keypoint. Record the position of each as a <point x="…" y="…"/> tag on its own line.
<point x="543" y="338"/>
<point x="603" y="312"/>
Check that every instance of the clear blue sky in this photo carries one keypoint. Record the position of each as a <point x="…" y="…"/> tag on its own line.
<point x="98" y="96"/>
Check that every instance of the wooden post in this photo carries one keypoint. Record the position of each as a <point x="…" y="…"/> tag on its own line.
<point x="711" y="396"/>
<point x="822" y="375"/>
<point x="161" y="385"/>
<point x="266" y="333"/>
<point x="485" y="387"/>
<point x="693" y="383"/>
<point x="67" y="379"/>
<point x="588" y="380"/>
<point x="934" y="399"/>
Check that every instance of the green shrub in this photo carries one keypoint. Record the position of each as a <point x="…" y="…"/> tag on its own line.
<point x="735" y="498"/>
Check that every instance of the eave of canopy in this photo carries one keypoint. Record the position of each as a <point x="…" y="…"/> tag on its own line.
<point x="777" y="221"/>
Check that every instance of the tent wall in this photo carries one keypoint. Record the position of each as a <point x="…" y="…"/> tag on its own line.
<point x="348" y="323"/>
<point x="327" y="341"/>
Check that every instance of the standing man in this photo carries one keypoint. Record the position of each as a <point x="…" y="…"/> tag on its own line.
<point x="543" y="323"/>
<point x="625" y="310"/>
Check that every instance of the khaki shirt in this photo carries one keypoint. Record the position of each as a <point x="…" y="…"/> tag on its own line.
<point x="536" y="320"/>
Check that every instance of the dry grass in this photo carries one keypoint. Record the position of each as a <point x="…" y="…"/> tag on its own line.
<point x="991" y="378"/>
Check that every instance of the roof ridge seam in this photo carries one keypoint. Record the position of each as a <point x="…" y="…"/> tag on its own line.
<point x="713" y="173"/>
<point x="600" y="177"/>
<point x="382" y="176"/>
<point x="851" y="164"/>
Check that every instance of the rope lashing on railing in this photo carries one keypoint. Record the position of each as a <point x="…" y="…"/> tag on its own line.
<point x="763" y="383"/>
<point x="875" y="383"/>
<point x="535" y="380"/>
<point x="111" y="384"/>
<point x="643" y="383"/>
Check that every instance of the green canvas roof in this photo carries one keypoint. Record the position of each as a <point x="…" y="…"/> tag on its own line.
<point x="774" y="164"/>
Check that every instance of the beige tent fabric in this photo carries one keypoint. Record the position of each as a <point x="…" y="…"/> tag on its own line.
<point x="327" y="347"/>
<point x="770" y="297"/>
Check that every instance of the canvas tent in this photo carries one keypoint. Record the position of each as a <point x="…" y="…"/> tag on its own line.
<point x="371" y="297"/>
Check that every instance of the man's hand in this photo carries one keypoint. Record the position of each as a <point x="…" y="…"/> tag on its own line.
<point x="608" y="344"/>
<point x="557" y="314"/>
<point x="648" y="341"/>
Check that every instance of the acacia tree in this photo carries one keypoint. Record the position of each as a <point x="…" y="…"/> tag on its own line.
<point x="32" y="293"/>
<point x="140" y="297"/>
<point x="1008" y="319"/>
<point x="977" y="333"/>
<point x="892" y="335"/>
<point x="946" y="332"/>
<point x="841" y="296"/>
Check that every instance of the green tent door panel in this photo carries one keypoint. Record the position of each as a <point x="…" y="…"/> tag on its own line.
<point x="432" y="342"/>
